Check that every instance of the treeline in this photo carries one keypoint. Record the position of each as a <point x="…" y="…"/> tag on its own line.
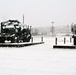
<point x="47" y="30"/>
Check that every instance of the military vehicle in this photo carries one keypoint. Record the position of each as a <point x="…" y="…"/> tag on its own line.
<point x="73" y="29"/>
<point x="14" y="32"/>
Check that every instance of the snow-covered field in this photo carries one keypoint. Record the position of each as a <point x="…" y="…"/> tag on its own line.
<point x="38" y="60"/>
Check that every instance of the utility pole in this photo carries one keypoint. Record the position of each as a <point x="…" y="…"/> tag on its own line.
<point x="52" y="28"/>
<point x="23" y="18"/>
<point x="67" y="29"/>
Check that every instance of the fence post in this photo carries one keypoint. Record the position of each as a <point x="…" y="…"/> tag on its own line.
<point x="64" y="40"/>
<point x="41" y="39"/>
<point x="56" y="41"/>
<point x="32" y="39"/>
<point x="70" y="39"/>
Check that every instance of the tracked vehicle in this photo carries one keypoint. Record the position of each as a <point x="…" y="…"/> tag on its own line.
<point x="73" y="29"/>
<point x="14" y="32"/>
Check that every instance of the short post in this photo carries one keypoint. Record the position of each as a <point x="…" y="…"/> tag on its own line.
<point x="32" y="39"/>
<point x="70" y="39"/>
<point x="41" y="39"/>
<point x="56" y="41"/>
<point x="64" y="40"/>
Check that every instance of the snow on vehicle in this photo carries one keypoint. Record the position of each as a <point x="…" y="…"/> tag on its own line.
<point x="14" y="31"/>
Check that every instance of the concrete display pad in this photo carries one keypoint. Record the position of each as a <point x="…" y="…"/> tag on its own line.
<point x="65" y="46"/>
<point x="19" y="44"/>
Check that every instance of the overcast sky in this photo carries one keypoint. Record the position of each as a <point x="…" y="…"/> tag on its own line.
<point x="39" y="12"/>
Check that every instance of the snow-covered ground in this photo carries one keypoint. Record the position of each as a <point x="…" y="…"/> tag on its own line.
<point x="38" y="60"/>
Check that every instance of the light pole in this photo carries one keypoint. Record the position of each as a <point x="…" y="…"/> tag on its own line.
<point x="52" y="28"/>
<point x="30" y="28"/>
